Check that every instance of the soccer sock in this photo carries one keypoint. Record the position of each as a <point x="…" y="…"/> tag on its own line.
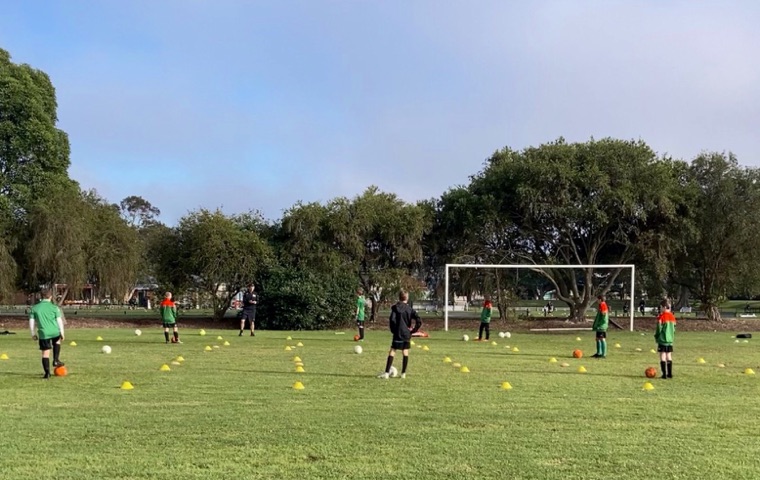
<point x="56" y="352"/>
<point x="404" y="363"/>
<point x="176" y="335"/>
<point x="361" y="332"/>
<point x="604" y="347"/>
<point x="166" y="336"/>
<point x="46" y="365"/>
<point x="598" y="347"/>
<point x="488" y="332"/>
<point x="389" y="364"/>
<point x="664" y="371"/>
<point x="670" y="369"/>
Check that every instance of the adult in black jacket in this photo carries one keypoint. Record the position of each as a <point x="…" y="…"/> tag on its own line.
<point x="400" y="325"/>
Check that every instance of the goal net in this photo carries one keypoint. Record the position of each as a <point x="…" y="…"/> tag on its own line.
<point x="561" y="283"/>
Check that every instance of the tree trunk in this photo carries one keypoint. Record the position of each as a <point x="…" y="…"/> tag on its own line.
<point x="684" y="295"/>
<point x="712" y="311"/>
<point x="577" y="310"/>
<point x="375" y="306"/>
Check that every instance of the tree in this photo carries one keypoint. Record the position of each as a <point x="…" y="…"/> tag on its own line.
<point x="217" y="254"/>
<point x="113" y="248"/>
<point x="719" y="252"/>
<point x="138" y="212"/>
<point x="582" y="203"/>
<point x="33" y="152"/>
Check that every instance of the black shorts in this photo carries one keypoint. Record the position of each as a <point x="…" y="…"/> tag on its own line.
<point x="601" y="335"/>
<point x="360" y="323"/>
<point x="170" y="325"/>
<point x="401" y="345"/>
<point x="249" y="315"/>
<point x="47" y="344"/>
<point x="664" y="348"/>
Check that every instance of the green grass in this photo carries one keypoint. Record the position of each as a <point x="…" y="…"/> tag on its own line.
<point x="232" y="412"/>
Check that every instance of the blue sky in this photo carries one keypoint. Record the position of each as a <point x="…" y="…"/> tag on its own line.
<point x="259" y="104"/>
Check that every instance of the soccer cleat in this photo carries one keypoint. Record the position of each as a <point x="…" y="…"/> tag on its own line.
<point x="403" y="375"/>
<point x="664" y="377"/>
<point x="253" y="334"/>
<point x="178" y="341"/>
<point x="46" y="376"/>
<point x="384" y="375"/>
<point x="240" y="334"/>
<point x="596" y="355"/>
<point x="58" y="363"/>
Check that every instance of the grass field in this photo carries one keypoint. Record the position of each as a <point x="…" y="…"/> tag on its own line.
<point x="232" y="412"/>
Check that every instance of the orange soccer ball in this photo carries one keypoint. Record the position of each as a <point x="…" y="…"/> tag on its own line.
<point x="650" y="372"/>
<point x="60" y="371"/>
<point x="577" y="354"/>
<point x="356" y="338"/>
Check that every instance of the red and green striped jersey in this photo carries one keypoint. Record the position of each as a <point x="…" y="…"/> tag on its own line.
<point x="168" y="311"/>
<point x="602" y="319"/>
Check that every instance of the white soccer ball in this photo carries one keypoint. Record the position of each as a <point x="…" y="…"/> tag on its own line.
<point x="138" y="332"/>
<point x="358" y="349"/>
<point x="466" y="338"/>
<point x="393" y="372"/>
<point x="507" y="334"/>
<point x="106" y="349"/>
<point x="502" y="334"/>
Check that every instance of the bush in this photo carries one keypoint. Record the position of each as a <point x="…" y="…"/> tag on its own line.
<point x="299" y="299"/>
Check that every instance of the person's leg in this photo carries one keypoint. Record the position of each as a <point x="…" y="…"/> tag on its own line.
<point x="389" y="361"/>
<point x="663" y="363"/>
<point x="670" y="363"/>
<point x="598" y="346"/>
<point x="242" y="325"/>
<point x="57" y="353"/>
<point x="253" y="324"/>
<point x="45" y="358"/>
<point x="480" y="331"/>
<point x="360" y="324"/>
<point x="176" y="333"/>
<point x="166" y="333"/>
<point x="488" y="331"/>
<point x="603" y="345"/>
<point x="405" y="362"/>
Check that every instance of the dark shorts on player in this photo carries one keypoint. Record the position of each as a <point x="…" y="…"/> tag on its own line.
<point x="401" y="344"/>
<point x="249" y="315"/>
<point x="665" y="348"/>
<point x="600" y="335"/>
<point x="170" y="325"/>
<point x="47" y="344"/>
<point x="359" y="323"/>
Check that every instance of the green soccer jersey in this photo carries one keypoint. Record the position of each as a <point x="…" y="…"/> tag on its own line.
<point x="602" y="319"/>
<point x="168" y="312"/>
<point x="360" y="304"/>
<point x="485" y="314"/>
<point x="46" y="315"/>
<point x="666" y="329"/>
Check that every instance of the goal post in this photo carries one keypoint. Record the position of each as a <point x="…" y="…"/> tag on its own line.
<point x="537" y="267"/>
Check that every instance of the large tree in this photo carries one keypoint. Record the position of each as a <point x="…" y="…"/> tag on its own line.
<point x="719" y="250"/>
<point x="137" y="211"/>
<point x="580" y="203"/>
<point x="214" y="253"/>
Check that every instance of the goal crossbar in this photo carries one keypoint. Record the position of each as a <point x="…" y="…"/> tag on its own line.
<point x="536" y="267"/>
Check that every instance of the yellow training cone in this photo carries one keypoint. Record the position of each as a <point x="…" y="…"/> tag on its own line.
<point x="446" y="360"/>
<point x="464" y="370"/>
<point x="202" y="333"/>
<point x="289" y="338"/>
<point x="506" y="386"/>
<point x="720" y="365"/>
<point x="456" y="365"/>
<point x="701" y="360"/>
<point x="298" y="386"/>
<point x="638" y="349"/>
<point x="126" y="386"/>
<point x="73" y="344"/>
<point x="617" y="345"/>
<point x="299" y="364"/>
<point x="180" y="358"/>
<point x="287" y="349"/>
<point x="299" y="344"/>
<point x="648" y="386"/>
<point x="581" y="369"/>
<point x="100" y="339"/>
<point x="207" y="349"/>
<point x="4" y="356"/>
<point x="578" y="339"/>
<point x="412" y="343"/>
<point x="299" y="369"/>
<point x="515" y="349"/>
<point x="426" y="348"/>
<point x="165" y="368"/>
<point x="296" y="359"/>
<point x="219" y="337"/>
<point x="652" y="351"/>
<point x="749" y="371"/>
<point x="552" y="360"/>
<point x="226" y="343"/>
<point x="494" y="343"/>
<point x="175" y="363"/>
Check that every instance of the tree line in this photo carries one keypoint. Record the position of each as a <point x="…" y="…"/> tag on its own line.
<point x="690" y="227"/>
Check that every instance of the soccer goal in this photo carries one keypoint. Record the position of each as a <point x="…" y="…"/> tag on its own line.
<point x="536" y="268"/>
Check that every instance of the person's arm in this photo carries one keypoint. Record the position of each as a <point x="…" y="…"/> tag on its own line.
<point x="417" y="322"/>
<point x="59" y="321"/>
<point x="393" y="320"/>
<point x="31" y="327"/>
